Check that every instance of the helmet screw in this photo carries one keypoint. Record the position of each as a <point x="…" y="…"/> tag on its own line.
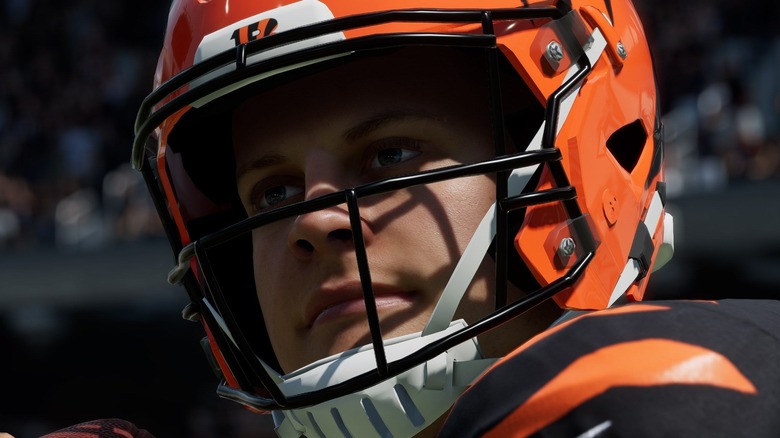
<point x="621" y="50"/>
<point x="554" y="51"/>
<point x="566" y="247"/>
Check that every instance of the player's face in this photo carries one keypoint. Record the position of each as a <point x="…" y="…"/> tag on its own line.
<point x="347" y="127"/>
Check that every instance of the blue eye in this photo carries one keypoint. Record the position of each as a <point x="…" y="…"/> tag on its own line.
<point x="277" y="195"/>
<point x="391" y="156"/>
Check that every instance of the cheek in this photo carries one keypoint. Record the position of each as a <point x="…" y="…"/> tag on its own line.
<point x="465" y="203"/>
<point x="270" y="278"/>
<point x="432" y="229"/>
<point x="267" y="246"/>
<point x="448" y="211"/>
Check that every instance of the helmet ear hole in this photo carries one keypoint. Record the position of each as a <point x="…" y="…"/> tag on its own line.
<point x="626" y="144"/>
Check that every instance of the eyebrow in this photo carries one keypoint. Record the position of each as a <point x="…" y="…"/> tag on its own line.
<point x="357" y="132"/>
<point x="267" y="160"/>
<point x="368" y="126"/>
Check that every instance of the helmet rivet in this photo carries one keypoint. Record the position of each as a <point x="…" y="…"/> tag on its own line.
<point x="554" y="51"/>
<point x="566" y="247"/>
<point x="621" y="50"/>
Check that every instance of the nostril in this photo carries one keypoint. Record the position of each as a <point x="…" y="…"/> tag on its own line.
<point x="305" y="245"/>
<point x="341" y="234"/>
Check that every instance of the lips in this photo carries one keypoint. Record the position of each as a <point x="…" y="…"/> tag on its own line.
<point x="334" y="301"/>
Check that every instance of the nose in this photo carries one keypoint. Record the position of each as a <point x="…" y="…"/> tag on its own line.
<point x="325" y="232"/>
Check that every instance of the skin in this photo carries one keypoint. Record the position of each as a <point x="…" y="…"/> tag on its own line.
<point x="346" y="127"/>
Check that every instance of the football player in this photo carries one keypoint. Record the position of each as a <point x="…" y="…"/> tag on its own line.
<point x="376" y="204"/>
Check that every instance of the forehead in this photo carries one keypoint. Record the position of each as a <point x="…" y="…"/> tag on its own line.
<point x="417" y="79"/>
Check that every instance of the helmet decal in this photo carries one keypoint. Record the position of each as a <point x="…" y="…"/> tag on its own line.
<point x="260" y="26"/>
<point x="254" y="31"/>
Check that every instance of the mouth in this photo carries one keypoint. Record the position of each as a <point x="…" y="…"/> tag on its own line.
<point x="335" y="302"/>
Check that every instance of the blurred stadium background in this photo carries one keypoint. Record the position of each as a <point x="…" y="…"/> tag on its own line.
<point x="90" y="329"/>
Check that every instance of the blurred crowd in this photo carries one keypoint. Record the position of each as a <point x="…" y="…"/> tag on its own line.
<point x="72" y="75"/>
<point x="717" y="63"/>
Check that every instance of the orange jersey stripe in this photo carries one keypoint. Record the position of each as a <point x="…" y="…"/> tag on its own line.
<point x="661" y="361"/>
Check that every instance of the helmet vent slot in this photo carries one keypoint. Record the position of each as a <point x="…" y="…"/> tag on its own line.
<point x="375" y="418"/>
<point x="626" y="144"/>
<point x="414" y="414"/>
<point x="340" y="423"/>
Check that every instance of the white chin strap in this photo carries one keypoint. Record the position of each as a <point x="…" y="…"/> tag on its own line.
<point x="400" y="406"/>
<point x="475" y="251"/>
<point x="480" y="242"/>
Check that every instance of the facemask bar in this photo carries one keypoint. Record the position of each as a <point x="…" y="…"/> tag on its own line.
<point x="350" y="196"/>
<point x="563" y="193"/>
<point x="148" y="119"/>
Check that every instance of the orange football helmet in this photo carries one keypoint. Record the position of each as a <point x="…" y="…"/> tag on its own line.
<point x="579" y="210"/>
